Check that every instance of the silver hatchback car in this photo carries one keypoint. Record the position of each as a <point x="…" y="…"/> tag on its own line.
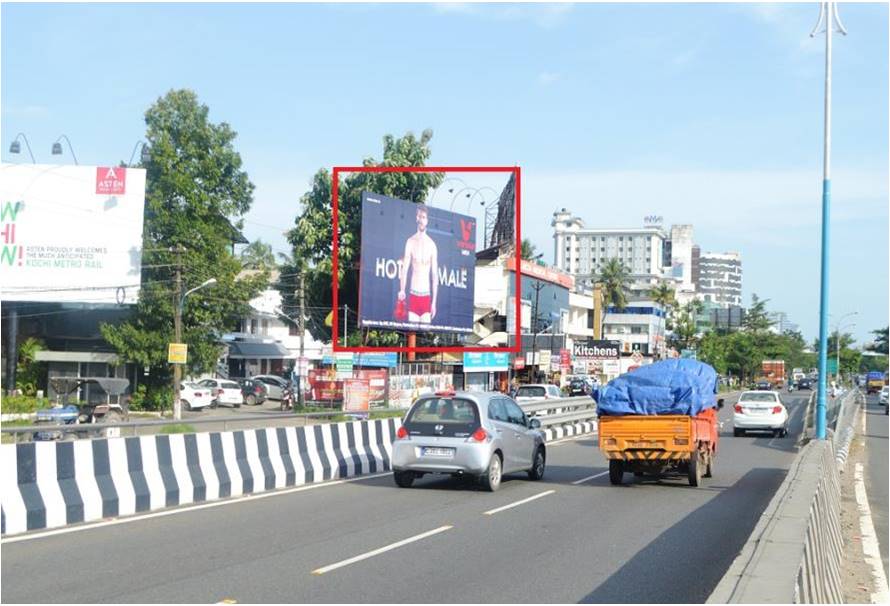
<point x="479" y="434"/>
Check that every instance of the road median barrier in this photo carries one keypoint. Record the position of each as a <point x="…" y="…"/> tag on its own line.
<point x="563" y="417"/>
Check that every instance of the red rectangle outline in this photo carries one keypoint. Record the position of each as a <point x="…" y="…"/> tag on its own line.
<point x="335" y="187"/>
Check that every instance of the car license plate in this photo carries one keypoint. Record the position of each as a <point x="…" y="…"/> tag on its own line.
<point x="438" y="452"/>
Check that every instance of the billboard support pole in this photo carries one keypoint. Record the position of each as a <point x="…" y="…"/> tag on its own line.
<point x="12" y="351"/>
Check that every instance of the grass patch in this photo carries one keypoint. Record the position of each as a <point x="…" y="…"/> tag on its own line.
<point x="177" y="428"/>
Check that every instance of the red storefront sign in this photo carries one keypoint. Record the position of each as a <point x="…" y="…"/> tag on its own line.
<point x="519" y="363"/>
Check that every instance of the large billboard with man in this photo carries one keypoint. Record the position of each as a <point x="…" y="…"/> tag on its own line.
<point x="71" y="233"/>
<point x="417" y="266"/>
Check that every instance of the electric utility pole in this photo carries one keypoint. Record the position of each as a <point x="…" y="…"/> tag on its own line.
<point x="301" y="324"/>
<point x="177" y="329"/>
<point x="827" y="15"/>
<point x="538" y="287"/>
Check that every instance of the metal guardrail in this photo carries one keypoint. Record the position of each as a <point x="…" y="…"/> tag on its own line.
<point x="557" y="403"/>
<point x="579" y="408"/>
<point x="568" y="417"/>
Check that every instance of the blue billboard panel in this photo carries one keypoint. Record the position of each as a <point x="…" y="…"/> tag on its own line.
<point x="486" y="361"/>
<point x="386" y="359"/>
<point x="417" y="266"/>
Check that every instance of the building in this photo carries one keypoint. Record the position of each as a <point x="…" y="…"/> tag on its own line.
<point x="720" y="278"/>
<point x="781" y="323"/>
<point x="640" y="327"/>
<point x="582" y="252"/>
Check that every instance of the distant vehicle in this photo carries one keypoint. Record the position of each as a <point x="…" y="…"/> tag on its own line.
<point x="774" y="372"/>
<point x="805" y="384"/>
<point x="275" y="385"/>
<point x="194" y="397"/>
<point x="874" y="381"/>
<point x="223" y="392"/>
<point x="861" y="381"/>
<point x="797" y="374"/>
<point x="759" y="411"/>
<point x="83" y="412"/>
<point x="578" y="387"/>
<point x="254" y="392"/>
<point x="478" y="434"/>
<point x="530" y="393"/>
<point x="883" y="398"/>
<point x="763" y="385"/>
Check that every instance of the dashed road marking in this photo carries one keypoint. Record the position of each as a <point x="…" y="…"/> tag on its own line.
<point x="371" y="554"/>
<point x="511" y="505"/>
<point x="594" y="476"/>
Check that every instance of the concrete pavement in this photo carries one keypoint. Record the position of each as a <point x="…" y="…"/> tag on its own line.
<point x="876" y="471"/>
<point x="586" y="541"/>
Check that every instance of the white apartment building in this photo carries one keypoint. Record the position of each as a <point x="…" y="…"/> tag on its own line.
<point x="640" y="327"/>
<point x="720" y="278"/>
<point x="582" y="251"/>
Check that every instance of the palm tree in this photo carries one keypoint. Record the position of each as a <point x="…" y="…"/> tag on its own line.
<point x="527" y="250"/>
<point x="663" y="294"/>
<point x="615" y="279"/>
<point x="258" y="255"/>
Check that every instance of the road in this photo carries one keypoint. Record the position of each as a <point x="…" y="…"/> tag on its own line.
<point x="577" y="539"/>
<point x="876" y="471"/>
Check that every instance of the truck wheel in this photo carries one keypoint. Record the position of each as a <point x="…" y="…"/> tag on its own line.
<point x="616" y="471"/>
<point x="695" y="469"/>
<point x="709" y="468"/>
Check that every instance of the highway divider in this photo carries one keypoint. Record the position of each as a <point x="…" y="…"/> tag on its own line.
<point x="563" y="417"/>
<point x="53" y="484"/>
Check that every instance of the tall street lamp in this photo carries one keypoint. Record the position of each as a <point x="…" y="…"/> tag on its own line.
<point x="828" y="15"/>
<point x="15" y="147"/>
<point x="177" y="329"/>
<point x="144" y="157"/>
<point x="57" y="147"/>
<point x="837" y="336"/>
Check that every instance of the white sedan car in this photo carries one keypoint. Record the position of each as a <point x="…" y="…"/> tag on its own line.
<point x="760" y="411"/>
<point x="536" y="392"/>
<point x="223" y="392"/>
<point x="194" y="397"/>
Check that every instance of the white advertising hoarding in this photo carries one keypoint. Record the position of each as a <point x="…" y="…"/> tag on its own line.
<point x="71" y="234"/>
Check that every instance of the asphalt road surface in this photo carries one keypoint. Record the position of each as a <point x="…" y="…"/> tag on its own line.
<point x="569" y="538"/>
<point x="876" y="470"/>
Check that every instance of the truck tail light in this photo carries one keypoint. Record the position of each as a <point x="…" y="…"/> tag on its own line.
<point x="609" y="442"/>
<point x="681" y="441"/>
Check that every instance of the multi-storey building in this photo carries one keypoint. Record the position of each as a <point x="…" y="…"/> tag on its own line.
<point x="720" y="278"/>
<point x="582" y="251"/>
<point x="781" y="323"/>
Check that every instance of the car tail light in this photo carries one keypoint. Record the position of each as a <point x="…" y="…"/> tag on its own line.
<point x="402" y="433"/>
<point x="480" y="435"/>
<point x="257" y="389"/>
<point x="737" y="408"/>
<point x="198" y="394"/>
<point x="777" y="410"/>
<point x="219" y="391"/>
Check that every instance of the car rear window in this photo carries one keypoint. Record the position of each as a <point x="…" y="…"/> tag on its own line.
<point x="229" y="385"/>
<point x="757" y="397"/>
<point x="457" y="417"/>
<point x="531" y="392"/>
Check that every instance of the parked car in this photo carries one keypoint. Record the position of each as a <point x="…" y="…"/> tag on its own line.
<point x="883" y="398"/>
<point x="579" y="387"/>
<point x="478" y="434"/>
<point x="760" y="411"/>
<point x="275" y="386"/>
<point x="254" y="392"/>
<point x="530" y="393"/>
<point x="193" y="396"/>
<point x="805" y="384"/>
<point x="223" y="391"/>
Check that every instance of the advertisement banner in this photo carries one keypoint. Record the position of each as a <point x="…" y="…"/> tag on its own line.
<point x="611" y="367"/>
<point x="71" y="234"/>
<point x="323" y="385"/>
<point x="376" y="380"/>
<point x="177" y="353"/>
<point x="417" y="266"/>
<point x="486" y="361"/>
<point x="596" y="350"/>
<point x="344" y="364"/>
<point x="356" y="395"/>
<point x="544" y="357"/>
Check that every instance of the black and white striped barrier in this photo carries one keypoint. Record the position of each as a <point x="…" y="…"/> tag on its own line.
<point x="53" y="484"/>
<point x="558" y="432"/>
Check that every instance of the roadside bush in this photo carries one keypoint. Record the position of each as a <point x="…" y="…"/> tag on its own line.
<point x="22" y="404"/>
<point x="177" y="428"/>
<point x="157" y="400"/>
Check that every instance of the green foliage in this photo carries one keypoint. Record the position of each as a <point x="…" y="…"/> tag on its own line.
<point x="663" y="294"/>
<point x="177" y="428"/>
<point x="615" y="280"/>
<point x="868" y="363"/>
<point x="258" y="255"/>
<point x="29" y="374"/>
<point x="879" y="345"/>
<point x="756" y="319"/>
<point x="194" y="184"/>
<point x="22" y="404"/>
<point x="527" y="250"/>
<point x="311" y="237"/>
<point x="157" y="399"/>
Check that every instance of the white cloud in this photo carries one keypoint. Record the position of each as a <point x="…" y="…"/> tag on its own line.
<point x="546" y="78"/>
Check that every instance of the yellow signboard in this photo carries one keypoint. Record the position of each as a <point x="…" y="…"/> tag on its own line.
<point x="177" y="353"/>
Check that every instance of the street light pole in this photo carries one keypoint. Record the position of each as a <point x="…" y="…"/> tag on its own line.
<point x="837" y="336"/>
<point x="828" y="15"/>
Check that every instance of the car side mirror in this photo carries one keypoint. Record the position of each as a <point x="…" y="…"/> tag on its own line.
<point x="720" y="403"/>
<point x="534" y="423"/>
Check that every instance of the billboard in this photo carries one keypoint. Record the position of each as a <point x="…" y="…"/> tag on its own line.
<point x="417" y="266"/>
<point x="486" y="362"/>
<point x="596" y="350"/>
<point x="71" y="234"/>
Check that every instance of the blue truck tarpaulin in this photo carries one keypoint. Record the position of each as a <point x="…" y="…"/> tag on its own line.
<point x="669" y="387"/>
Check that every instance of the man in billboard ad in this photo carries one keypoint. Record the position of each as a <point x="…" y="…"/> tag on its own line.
<point x="417" y="266"/>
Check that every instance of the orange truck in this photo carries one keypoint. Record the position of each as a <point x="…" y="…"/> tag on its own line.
<point x="774" y="371"/>
<point x="660" y="444"/>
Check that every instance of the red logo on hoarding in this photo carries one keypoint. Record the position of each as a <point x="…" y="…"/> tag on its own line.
<point x="466" y="232"/>
<point x="111" y="180"/>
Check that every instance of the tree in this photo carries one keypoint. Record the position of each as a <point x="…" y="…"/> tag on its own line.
<point x="879" y="345"/>
<point x="663" y="294"/>
<point x="684" y="326"/>
<point x="527" y="250"/>
<point x="258" y="255"/>
<point x="615" y="279"/>
<point x="194" y="184"/>
<point x="311" y="237"/>
<point x="756" y="318"/>
<point x="28" y="371"/>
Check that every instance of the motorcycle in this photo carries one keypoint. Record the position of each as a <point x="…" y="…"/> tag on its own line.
<point x="287" y="399"/>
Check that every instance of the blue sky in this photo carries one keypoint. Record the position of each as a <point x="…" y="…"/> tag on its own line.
<point x="702" y="113"/>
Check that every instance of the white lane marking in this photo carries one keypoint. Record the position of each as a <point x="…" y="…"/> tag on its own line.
<point x="582" y="480"/>
<point x="371" y="554"/>
<point x="511" y="505"/>
<point x="870" y="547"/>
<point x="170" y="512"/>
